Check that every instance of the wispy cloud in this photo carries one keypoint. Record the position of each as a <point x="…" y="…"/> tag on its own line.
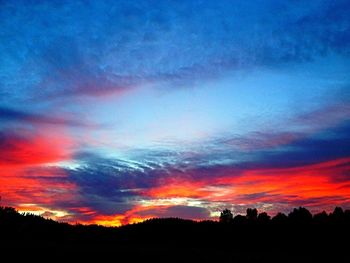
<point x="62" y="52"/>
<point x="19" y="116"/>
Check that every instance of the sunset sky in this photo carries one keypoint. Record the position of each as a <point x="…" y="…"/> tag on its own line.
<point x="112" y="112"/>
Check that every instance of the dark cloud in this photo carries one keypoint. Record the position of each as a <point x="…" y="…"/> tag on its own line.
<point x="48" y="214"/>
<point x="111" y="185"/>
<point x="257" y="197"/>
<point x="13" y="115"/>
<point x="115" y="186"/>
<point x="123" y="181"/>
<point x="323" y="146"/>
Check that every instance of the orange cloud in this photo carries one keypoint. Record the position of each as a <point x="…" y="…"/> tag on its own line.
<point x="141" y="212"/>
<point x="320" y="184"/>
<point x="23" y="188"/>
<point x="137" y="214"/>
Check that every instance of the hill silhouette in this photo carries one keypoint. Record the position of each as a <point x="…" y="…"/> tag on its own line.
<point x="296" y="237"/>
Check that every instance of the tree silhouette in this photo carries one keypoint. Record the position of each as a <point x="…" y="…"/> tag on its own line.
<point x="338" y="212"/>
<point x="263" y="218"/>
<point x="300" y="215"/>
<point x="252" y="214"/>
<point x="226" y="216"/>
<point x="279" y="219"/>
<point x="239" y="219"/>
<point x="321" y="217"/>
<point x="246" y="238"/>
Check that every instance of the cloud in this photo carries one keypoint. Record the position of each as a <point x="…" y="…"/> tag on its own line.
<point x="322" y="146"/>
<point x="106" y="185"/>
<point x="108" y="189"/>
<point x="28" y="174"/>
<point x="109" y="47"/>
<point x="27" y="147"/>
<point x="140" y="213"/>
<point x="119" y="188"/>
<point x="40" y="187"/>
<point x="13" y="115"/>
<point x="117" y="182"/>
<point x="319" y="135"/>
<point x="316" y="185"/>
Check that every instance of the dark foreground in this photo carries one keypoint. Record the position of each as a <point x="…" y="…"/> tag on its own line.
<point x="298" y="237"/>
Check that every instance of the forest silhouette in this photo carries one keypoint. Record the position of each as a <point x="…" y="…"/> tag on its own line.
<point x="255" y="237"/>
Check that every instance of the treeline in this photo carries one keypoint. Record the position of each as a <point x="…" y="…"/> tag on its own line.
<point x="255" y="237"/>
<point x="299" y="215"/>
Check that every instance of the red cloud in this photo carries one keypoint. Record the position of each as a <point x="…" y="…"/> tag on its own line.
<point x="28" y="174"/>
<point x="31" y="148"/>
<point x="319" y="185"/>
<point x="28" y="179"/>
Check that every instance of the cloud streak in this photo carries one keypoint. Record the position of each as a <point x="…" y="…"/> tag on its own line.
<point x="13" y="115"/>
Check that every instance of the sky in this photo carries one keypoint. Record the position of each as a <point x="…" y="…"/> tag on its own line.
<point x="113" y="112"/>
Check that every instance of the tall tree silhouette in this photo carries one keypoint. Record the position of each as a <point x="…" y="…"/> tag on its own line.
<point x="252" y="214"/>
<point x="226" y="216"/>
